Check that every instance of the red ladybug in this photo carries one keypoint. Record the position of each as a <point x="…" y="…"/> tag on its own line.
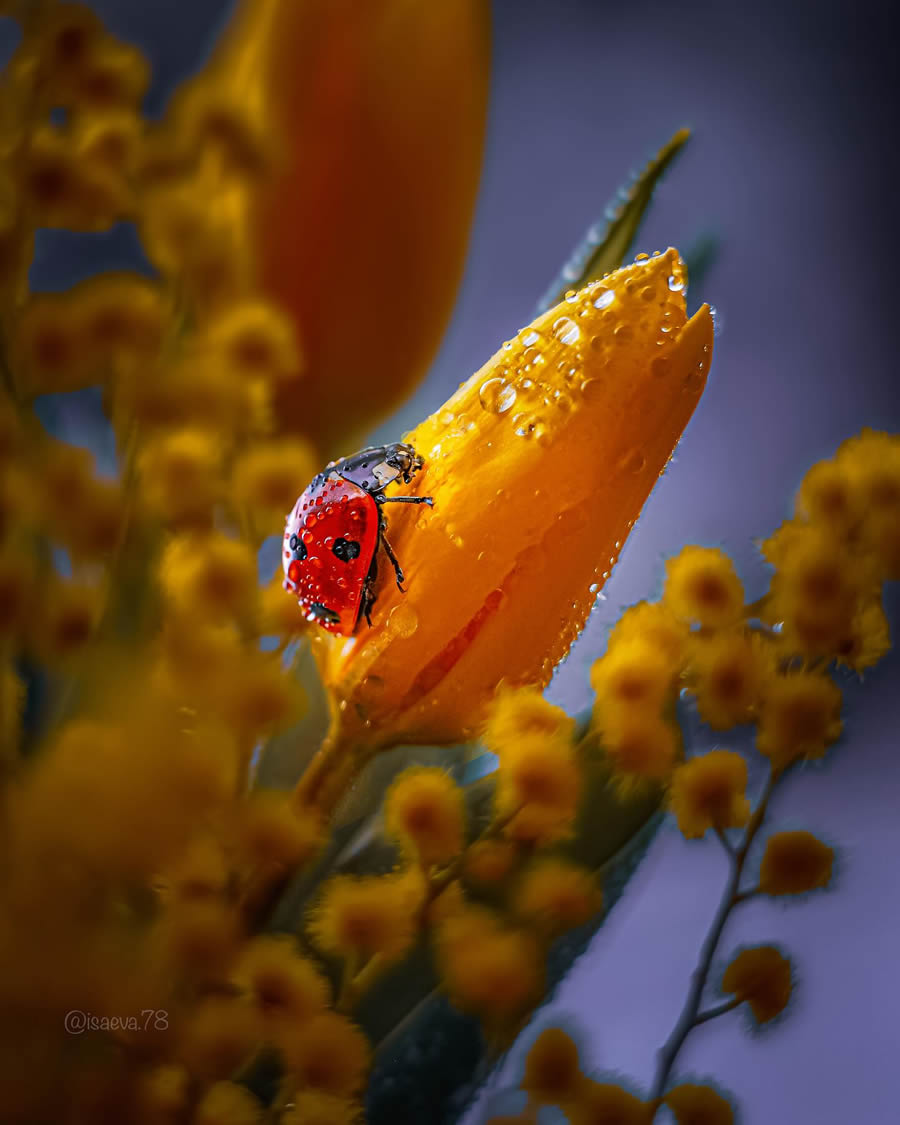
<point x="334" y="532"/>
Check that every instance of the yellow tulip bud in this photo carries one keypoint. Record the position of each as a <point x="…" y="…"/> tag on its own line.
<point x="538" y="465"/>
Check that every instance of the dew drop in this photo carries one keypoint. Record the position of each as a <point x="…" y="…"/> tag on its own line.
<point x="675" y="284"/>
<point x="604" y="298"/>
<point x="497" y="396"/>
<point x="641" y="257"/>
<point x="566" y="330"/>
<point x="571" y="296"/>
<point x="623" y="333"/>
<point x="633" y="462"/>
<point x="529" y="337"/>
<point x="403" y="620"/>
<point x="593" y="588"/>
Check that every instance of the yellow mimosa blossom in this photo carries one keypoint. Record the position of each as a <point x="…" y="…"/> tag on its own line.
<point x="280" y="616"/>
<point x="693" y="1104"/>
<point x="552" y="1069"/>
<point x="209" y="575"/>
<point x="50" y="348"/>
<point x="640" y="747"/>
<point x="264" y="481"/>
<point x="226" y="1103"/>
<point x="868" y="638"/>
<point x="635" y="674"/>
<point x="197" y="938"/>
<point x="327" y="1053"/>
<point x="198" y="874"/>
<point x="488" y="862"/>
<point x="541" y="773"/>
<point x="873" y="458"/>
<point x="655" y="623"/>
<point x="702" y="587"/>
<point x="359" y="917"/>
<point x="161" y="1093"/>
<point x="258" y="698"/>
<point x="285" y="986"/>
<point x="598" y="1102"/>
<point x="180" y="476"/>
<point x="516" y="713"/>
<point x="315" y="1108"/>
<point x="761" y="977"/>
<point x="424" y="810"/>
<point x="414" y="140"/>
<point x="254" y="341"/>
<point x="271" y="834"/>
<point x="727" y="672"/>
<point x="220" y="1035"/>
<point x="710" y="792"/>
<point x="487" y="969"/>
<point x="555" y="895"/>
<point x="800" y="716"/>
<point x="570" y="416"/>
<point x="830" y="497"/>
<point x="793" y="863"/>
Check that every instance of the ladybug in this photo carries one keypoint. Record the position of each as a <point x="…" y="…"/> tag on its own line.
<point x="334" y="532"/>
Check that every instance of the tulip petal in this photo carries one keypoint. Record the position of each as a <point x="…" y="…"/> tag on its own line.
<point x="361" y="230"/>
<point x="539" y="465"/>
<point x="599" y="254"/>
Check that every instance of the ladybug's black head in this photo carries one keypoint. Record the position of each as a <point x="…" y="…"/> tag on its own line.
<point x="404" y="458"/>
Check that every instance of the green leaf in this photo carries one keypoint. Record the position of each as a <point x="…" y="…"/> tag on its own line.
<point x="604" y="248"/>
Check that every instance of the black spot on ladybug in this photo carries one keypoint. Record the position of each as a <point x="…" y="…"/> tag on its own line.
<point x="298" y="547"/>
<point x="345" y="549"/>
<point x="324" y="613"/>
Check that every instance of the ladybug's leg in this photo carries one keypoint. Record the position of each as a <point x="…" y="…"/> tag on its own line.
<point x="368" y="592"/>
<point x="406" y="500"/>
<point x="389" y="551"/>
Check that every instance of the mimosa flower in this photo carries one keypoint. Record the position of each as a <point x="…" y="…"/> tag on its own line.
<point x="220" y="1036"/>
<point x="226" y="1103"/>
<point x="283" y="985"/>
<point x="727" y="674"/>
<point x="378" y="182"/>
<point x="365" y="916"/>
<point x="693" y="1104"/>
<point x="552" y="1069"/>
<point x="641" y="747"/>
<point x="635" y="673"/>
<point x="702" y="587"/>
<point x="598" y="1102"/>
<point x="655" y="623"/>
<point x="424" y="810"/>
<point x="516" y="714"/>
<point x="710" y="792"/>
<point x="800" y="716"/>
<point x="311" y="1107"/>
<point x="571" y="423"/>
<point x="487" y="862"/>
<point x="327" y="1053"/>
<point x="793" y="863"/>
<point x="555" y="895"/>
<point x="761" y="977"/>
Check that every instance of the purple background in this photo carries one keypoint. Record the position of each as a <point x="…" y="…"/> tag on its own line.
<point x="794" y="166"/>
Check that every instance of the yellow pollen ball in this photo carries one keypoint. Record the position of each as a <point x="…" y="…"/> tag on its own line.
<point x="283" y="985"/>
<point x="640" y="747"/>
<point x="702" y="586"/>
<point x="556" y="895"/>
<point x="359" y="917"/>
<point x="693" y="1104"/>
<point x="761" y="977"/>
<point x="424" y="810"/>
<point x="799" y="717"/>
<point x="226" y="1103"/>
<point x="727" y="672"/>
<point x="552" y="1070"/>
<point x="327" y="1053"/>
<point x="604" y="1101"/>
<point x="656" y="624"/>
<point x="537" y="772"/>
<point x="710" y="792"/>
<point x="793" y="863"/>
<point x="634" y="673"/>
<point x="518" y="713"/>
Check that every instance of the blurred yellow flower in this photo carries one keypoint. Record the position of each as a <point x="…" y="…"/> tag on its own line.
<point x="710" y="792"/>
<point x="315" y="1108"/>
<point x="727" y="672"/>
<point x="640" y="747"/>
<point x="362" y="917"/>
<point x="517" y="713"/>
<point x="226" y="1103"/>
<point x="761" y="977"/>
<point x="327" y="1053"/>
<point x="555" y="894"/>
<point x="599" y="1102"/>
<point x="694" y="1104"/>
<point x="552" y="1068"/>
<point x="800" y="716"/>
<point x="424" y="810"/>
<point x="634" y="673"/>
<point x="286" y="987"/>
<point x="576" y="416"/>
<point x="793" y="863"/>
<point x="702" y="587"/>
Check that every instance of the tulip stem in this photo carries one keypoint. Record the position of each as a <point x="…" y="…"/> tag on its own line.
<point x="691" y="1016"/>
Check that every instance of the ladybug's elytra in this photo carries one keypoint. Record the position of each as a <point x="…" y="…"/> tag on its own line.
<point x="334" y="531"/>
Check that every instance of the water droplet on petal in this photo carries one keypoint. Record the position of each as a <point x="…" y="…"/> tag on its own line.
<point x="603" y="298"/>
<point x="633" y="462"/>
<point x="566" y="330"/>
<point x="529" y="337"/>
<point x="403" y="620"/>
<point x="675" y="284"/>
<point x="497" y="396"/>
